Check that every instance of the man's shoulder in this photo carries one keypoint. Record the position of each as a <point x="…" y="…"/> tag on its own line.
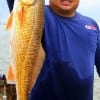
<point x="86" y="18"/>
<point x="47" y="9"/>
<point x="48" y="13"/>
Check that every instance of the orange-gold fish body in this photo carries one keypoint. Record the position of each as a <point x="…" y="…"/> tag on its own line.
<point x="26" y="22"/>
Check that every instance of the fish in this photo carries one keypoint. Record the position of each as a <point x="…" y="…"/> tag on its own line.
<point x="26" y="23"/>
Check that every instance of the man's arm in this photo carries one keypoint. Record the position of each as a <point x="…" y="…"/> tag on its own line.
<point x="97" y="57"/>
<point x="10" y="4"/>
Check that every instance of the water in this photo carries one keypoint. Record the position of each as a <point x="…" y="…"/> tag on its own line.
<point x="4" y="49"/>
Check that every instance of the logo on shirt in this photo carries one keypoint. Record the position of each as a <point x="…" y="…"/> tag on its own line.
<point x="90" y="27"/>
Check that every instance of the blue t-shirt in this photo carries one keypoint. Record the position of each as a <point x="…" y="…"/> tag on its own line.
<point x="72" y="48"/>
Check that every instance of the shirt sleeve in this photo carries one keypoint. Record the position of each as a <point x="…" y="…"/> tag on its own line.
<point x="10" y="4"/>
<point x="97" y="56"/>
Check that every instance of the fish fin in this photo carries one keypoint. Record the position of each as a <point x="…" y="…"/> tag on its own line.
<point x="11" y="75"/>
<point x="21" y="15"/>
<point x="9" y="22"/>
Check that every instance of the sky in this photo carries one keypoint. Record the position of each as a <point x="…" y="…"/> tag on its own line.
<point x="87" y="7"/>
<point x="90" y="8"/>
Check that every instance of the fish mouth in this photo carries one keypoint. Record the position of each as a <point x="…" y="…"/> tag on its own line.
<point x="66" y="2"/>
<point x="27" y="2"/>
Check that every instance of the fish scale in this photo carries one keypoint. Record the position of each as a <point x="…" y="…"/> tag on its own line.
<point x="26" y="50"/>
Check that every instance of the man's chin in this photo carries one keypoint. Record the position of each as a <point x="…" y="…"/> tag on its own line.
<point x="64" y="8"/>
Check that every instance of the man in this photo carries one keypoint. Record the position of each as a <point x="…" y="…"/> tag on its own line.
<point x="72" y="46"/>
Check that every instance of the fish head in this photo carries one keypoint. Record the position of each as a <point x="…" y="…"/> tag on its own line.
<point x="30" y="2"/>
<point x="27" y="2"/>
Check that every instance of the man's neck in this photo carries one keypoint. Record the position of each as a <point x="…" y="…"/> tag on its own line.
<point x="67" y="14"/>
<point x="63" y="13"/>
